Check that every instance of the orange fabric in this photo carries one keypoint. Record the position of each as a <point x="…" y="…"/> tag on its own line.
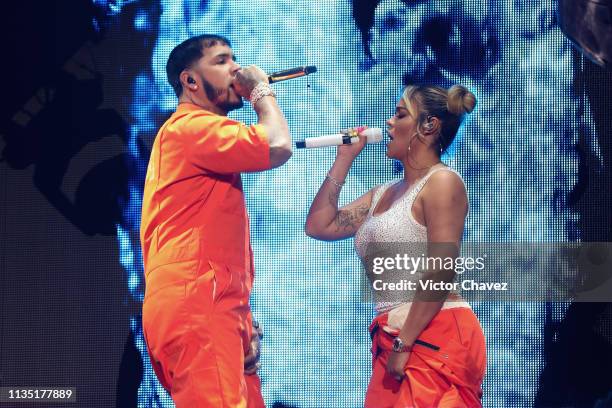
<point x="198" y="259"/>
<point x="449" y="377"/>
<point x="254" y="391"/>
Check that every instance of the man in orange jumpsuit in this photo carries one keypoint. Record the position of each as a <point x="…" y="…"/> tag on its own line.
<point x="195" y="230"/>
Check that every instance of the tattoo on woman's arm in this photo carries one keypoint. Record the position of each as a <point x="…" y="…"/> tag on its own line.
<point x="333" y="196"/>
<point x="351" y="219"/>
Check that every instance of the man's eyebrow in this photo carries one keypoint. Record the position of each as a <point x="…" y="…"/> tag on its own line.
<point x="225" y="55"/>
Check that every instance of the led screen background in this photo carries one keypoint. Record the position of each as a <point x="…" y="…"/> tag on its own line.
<point x="306" y="294"/>
<point x="518" y="153"/>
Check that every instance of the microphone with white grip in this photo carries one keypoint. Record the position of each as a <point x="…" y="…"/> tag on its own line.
<point x="374" y="135"/>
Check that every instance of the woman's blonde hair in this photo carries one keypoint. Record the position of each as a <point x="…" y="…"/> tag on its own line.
<point x="449" y="106"/>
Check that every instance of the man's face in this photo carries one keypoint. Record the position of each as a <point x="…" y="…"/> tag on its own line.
<point x="216" y="70"/>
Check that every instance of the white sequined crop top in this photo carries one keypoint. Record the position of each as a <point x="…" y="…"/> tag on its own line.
<point x="397" y="225"/>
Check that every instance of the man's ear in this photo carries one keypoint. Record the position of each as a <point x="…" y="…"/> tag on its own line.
<point x="188" y="81"/>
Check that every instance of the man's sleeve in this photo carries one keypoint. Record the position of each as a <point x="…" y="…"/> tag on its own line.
<point x="222" y="145"/>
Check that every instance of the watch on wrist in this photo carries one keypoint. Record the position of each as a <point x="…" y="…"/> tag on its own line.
<point x="399" y="346"/>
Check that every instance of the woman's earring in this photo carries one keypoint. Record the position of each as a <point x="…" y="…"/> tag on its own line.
<point x="410" y="143"/>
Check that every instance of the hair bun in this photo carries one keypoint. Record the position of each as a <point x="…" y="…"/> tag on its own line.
<point x="460" y="100"/>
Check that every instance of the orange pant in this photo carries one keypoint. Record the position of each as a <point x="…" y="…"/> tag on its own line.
<point x="197" y="332"/>
<point x="449" y="377"/>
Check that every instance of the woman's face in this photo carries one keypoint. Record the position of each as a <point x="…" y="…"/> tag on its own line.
<point x="401" y="128"/>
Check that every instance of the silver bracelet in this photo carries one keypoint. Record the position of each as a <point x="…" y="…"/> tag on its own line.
<point x="334" y="181"/>
<point x="261" y="89"/>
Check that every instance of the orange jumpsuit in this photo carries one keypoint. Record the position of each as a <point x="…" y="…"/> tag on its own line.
<point x="445" y="370"/>
<point x="197" y="257"/>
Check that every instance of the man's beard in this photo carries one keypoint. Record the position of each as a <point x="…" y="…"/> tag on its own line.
<point x="214" y="95"/>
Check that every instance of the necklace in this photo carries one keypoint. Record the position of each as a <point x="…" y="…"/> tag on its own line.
<point x="422" y="168"/>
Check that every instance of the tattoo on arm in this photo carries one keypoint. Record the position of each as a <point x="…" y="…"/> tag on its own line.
<point x="333" y="196"/>
<point x="351" y="219"/>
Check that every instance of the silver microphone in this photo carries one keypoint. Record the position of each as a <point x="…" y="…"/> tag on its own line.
<point x="291" y="73"/>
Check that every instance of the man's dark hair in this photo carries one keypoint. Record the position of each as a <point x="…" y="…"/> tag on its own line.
<point x="188" y="52"/>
